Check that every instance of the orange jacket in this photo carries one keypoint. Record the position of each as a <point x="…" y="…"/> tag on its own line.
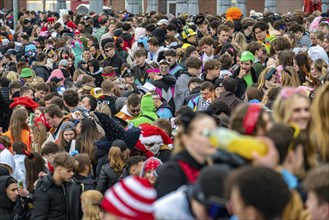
<point x="25" y="138"/>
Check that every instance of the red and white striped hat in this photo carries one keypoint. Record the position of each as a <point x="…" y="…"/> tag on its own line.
<point x="131" y="198"/>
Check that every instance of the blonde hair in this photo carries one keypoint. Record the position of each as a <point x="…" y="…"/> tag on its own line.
<point x="91" y="200"/>
<point x="321" y="66"/>
<point x="18" y="123"/>
<point x="118" y="158"/>
<point x="289" y="77"/>
<point x="39" y="130"/>
<point x="282" y="107"/>
<point x="320" y="114"/>
<point x="240" y="40"/>
<point x="104" y="108"/>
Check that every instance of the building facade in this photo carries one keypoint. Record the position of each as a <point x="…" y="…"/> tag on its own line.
<point x="165" y="6"/>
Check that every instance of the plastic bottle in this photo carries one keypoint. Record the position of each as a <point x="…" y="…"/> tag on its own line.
<point x="234" y="142"/>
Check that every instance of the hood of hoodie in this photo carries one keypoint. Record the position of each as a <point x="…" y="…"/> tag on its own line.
<point x="7" y="158"/>
<point x="95" y="64"/>
<point x="126" y="36"/>
<point x="5" y="202"/>
<point x="147" y="104"/>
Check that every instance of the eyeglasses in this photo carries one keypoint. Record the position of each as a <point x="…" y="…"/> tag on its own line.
<point x="295" y="136"/>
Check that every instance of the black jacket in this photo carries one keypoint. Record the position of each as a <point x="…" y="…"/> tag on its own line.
<point x="110" y="101"/>
<point x="241" y="85"/>
<point x="140" y="73"/>
<point x="7" y="207"/>
<point x="80" y="184"/>
<point x="51" y="201"/>
<point x="116" y="62"/>
<point x="194" y="93"/>
<point x="107" y="178"/>
<point x="42" y="72"/>
<point x="171" y="175"/>
<point x="230" y="99"/>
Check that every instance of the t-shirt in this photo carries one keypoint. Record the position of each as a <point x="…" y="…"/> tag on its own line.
<point x="248" y="79"/>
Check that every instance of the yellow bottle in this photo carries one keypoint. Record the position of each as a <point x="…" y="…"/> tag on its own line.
<point x="234" y="142"/>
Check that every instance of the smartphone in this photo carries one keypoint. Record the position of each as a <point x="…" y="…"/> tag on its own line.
<point x="31" y="119"/>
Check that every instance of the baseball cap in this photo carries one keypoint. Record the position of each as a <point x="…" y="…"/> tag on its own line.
<point x="67" y="126"/>
<point x="64" y="62"/>
<point x="127" y="73"/>
<point x="163" y="21"/>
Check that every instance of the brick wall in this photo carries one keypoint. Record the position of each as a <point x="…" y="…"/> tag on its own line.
<point x="257" y="5"/>
<point x="118" y="5"/>
<point x="209" y="6"/>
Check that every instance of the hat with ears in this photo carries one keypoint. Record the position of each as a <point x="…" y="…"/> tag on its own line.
<point x="132" y="198"/>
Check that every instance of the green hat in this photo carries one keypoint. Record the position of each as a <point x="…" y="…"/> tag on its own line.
<point x="84" y="41"/>
<point x="247" y="56"/>
<point x="26" y="73"/>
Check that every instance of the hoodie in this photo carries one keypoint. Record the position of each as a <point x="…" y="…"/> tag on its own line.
<point x="148" y="112"/>
<point x="7" y="158"/>
<point x="128" y="40"/>
<point x="7" y="210"/>
<point x="97" y="74"/>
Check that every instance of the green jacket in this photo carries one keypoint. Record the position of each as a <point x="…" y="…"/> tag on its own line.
<point x="99" y="33"/>
<point x="148" y="114"/>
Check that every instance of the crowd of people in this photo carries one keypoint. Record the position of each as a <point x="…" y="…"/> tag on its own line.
<point x="156" y="116"/>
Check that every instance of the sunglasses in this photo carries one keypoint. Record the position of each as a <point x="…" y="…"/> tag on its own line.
<point x="108" y="50"/>
<point x="135" y="110"/>
<point x="269" y="74"/>
<point x="295" y="136"/>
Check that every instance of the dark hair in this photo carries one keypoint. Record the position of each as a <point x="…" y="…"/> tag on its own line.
<point x="34" y="164"/>
<point x="262" y="188"/>
<point x="261" y="25"/>
<point x="83" y="161"/>
<point x="140" y="52"/>
<point x="50" y="148"/>
<point x="163" y="124"/>
<point x="283" y="135"/>
<point x="193" y="62"/>
<point x="71" y="98"/>
<point x="189" y="50"/>
<point x="19" y="147"/>
<point x="153" y="41"/>
<point x="296" y="28"/>
<point x="134" y="160"/>
<point x="63" y="159"/>
<point x="211" y="65"/>
<point x="317" y="181"/>
<point x="95" y="45"/>
<point x="109" y="45"/>
<point x="54" y="110"/>
<point x="92" y="102"/>
<point x="253" y="46"/>
<point x="42" y="86"/>
<point x="225" y="61"/>
<point x="133" y="100"/>
<point x="218" y="107"/>
<point x="207" y="85"/>
<point x="170" y="53"/>
<point x="23" y="90"/>
<point x="57" y="101"/>
<point x="126" y="26"/>
<point x="229" y="85"/>
<point x="41" y="56"/>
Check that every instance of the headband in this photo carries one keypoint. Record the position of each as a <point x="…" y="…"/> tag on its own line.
<point x="153" y="71"/>
<point x="109" y="74"/>
<point x="251" y="117"/>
